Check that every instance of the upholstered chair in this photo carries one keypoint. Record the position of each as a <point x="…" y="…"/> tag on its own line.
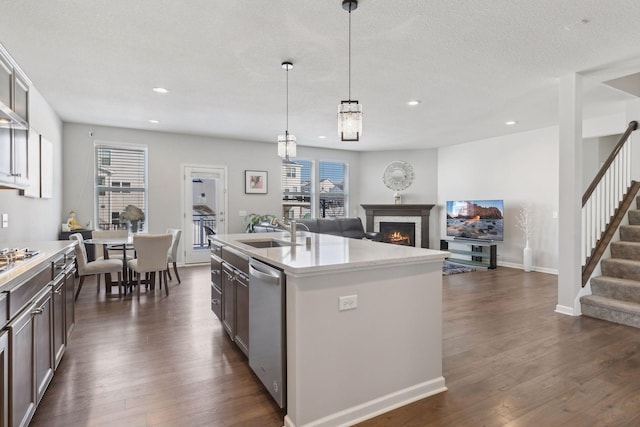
<point x="97" y="267"/>
<point x="172" y="254"/>
<point x="151" y="257"/>
<point x="115" y="253"/>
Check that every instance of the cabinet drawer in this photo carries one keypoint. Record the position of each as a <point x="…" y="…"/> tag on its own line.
<point x="216" y="271"/>
<point x="216" y="249"/>
<point x="216" y="301"/>
<point x="21" y="295"/>
<point x="237" y="259"/>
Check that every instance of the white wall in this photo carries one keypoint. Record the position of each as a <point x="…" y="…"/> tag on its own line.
<point x="32" y="220"/>
<point x="167" y="153"/>
<point x="521" y="169"/>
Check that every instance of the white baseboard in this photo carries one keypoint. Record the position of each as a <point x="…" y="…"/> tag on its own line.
<point x="521" y="267"/>
<point x="563" y="309"/>
<point x="375" y="407"/>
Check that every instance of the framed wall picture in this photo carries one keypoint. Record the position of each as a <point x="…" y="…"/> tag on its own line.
<point x="255" y="182"/>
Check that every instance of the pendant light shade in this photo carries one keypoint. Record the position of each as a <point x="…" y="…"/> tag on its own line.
<point x="287" y="142"/>
<point x="287" y="146"/>
<point x="349" y="111"/>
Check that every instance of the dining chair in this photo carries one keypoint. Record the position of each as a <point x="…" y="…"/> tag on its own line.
<point x="151" y="257"/>
<point x="172" y="254"/>
<point x="97" y="267"/>
<point x="115" y="253"/>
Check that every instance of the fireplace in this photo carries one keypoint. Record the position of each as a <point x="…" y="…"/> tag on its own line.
<point x="415" y="214"/>
<point x="398" y="233"/>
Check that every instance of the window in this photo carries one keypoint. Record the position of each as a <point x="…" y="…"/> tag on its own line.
<point x="332" y="189"/>
<point x="121" y="180"/>
<point x="296" y="189"/>
<point x="308" y="191"/>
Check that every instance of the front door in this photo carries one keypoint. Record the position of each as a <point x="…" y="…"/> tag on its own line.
<point x="205" y="207"/>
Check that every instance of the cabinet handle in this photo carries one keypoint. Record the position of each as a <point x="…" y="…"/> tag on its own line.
<point x="17" y="175"/>
<point x="58" y="292"/>
<point x="215" y="301"/>
<point x="38" y="310"/>
<point x="215" y="272"/>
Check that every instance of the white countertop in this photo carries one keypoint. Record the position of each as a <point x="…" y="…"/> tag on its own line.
<point x="22" y="269"/>
<point x="327" y="252"/>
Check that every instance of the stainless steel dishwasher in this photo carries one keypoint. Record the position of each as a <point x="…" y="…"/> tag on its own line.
<point x="267" y="339"/>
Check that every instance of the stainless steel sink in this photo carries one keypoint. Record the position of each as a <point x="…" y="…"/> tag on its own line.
<point x="266" y="243"/>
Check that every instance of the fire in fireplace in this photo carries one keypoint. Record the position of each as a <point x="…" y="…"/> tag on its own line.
<point x="398" y="233"/>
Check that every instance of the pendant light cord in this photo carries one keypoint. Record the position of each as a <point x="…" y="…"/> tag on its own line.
<point x="349" y="53"/>
<point x="286" y="132"/>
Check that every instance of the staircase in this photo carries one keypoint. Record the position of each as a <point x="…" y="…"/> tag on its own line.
<point x="616" y="293"/>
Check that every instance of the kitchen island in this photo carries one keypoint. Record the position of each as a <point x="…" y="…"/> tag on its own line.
<point x="382" y="350"/>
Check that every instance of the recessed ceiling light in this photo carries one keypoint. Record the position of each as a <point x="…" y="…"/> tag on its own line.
<point x="155" y="122"/>
<point x="322" y="137"/>
<point x="510" y="123"/>
<point x="414" y="102"/>
<point x="160" y="90"/>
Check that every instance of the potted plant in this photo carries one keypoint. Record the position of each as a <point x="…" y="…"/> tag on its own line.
<point x="251" y="220"/>
<point x="132" y="216"/>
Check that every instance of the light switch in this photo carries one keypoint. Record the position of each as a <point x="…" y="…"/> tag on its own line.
<point x="5" y="220"/>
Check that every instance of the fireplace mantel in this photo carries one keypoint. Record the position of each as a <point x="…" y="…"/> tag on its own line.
<point x="422" y="211"/>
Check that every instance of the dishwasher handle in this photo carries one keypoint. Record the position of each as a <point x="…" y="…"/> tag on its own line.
<point x="270" y="277"/>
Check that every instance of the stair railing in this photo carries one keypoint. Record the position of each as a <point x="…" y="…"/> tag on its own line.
<point x="602" y="200"/>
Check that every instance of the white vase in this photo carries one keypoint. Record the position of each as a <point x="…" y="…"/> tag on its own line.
<point x="527" y="257"/>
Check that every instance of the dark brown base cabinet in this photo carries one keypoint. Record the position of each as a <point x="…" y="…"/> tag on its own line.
<point x="36" y="336"/>
<point x="4" y="391"/>
<point x="22" y="375"/>
<point x="230" y="292"/>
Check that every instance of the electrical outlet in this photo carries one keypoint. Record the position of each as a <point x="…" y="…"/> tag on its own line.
<point x="554" y="214"/>
<point x="348" y="302"/>
<point x="5" y="220"/>
<point x="242" y="213"/>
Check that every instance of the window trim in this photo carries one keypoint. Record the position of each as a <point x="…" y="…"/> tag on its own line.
<point x="314" y="175"/>
<point x="96" y="187"/>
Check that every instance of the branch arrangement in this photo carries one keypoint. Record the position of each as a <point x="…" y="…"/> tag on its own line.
<point x="525" y="221"/>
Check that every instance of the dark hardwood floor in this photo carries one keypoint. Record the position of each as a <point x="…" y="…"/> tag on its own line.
<point x="163" y="362"/>
<point x="509" y="360"/>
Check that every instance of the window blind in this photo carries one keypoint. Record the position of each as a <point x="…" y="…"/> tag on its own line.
<point x="120" y="181"/>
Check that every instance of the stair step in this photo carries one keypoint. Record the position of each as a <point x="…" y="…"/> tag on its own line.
<point x="634" y="216"/>
<point x="613" y="287"/>
<point x="621" y="268"/>
<point x="626" y="250"/>
<point x="613" y="310"/>
<point x="630" y="233"/>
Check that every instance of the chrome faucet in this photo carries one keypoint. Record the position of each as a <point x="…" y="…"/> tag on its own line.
<point x="291" y="228"/>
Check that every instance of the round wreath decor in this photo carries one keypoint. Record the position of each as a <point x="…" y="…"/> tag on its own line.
<point x="398" y="175"/>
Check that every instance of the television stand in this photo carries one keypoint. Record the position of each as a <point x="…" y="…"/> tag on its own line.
<point x="479" y="254"/>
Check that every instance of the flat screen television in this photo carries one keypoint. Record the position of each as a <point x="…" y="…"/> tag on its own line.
<point x="475" y="219"/>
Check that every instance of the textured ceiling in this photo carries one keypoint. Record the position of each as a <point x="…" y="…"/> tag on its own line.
<point x="473" y="64"/>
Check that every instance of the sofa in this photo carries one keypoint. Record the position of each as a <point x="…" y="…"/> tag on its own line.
<point x="345" y="227"/>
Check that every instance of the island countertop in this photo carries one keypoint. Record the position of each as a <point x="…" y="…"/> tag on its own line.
<point x="326" y="252"/>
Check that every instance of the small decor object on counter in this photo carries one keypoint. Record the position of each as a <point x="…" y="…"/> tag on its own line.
<point x="72" y="222"/>
<point x="133" y="217"/>
<point x="255" y="182"/>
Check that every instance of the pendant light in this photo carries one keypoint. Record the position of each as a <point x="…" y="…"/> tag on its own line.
<point x="349" y="111"/>
<point x="287" y="142"/>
